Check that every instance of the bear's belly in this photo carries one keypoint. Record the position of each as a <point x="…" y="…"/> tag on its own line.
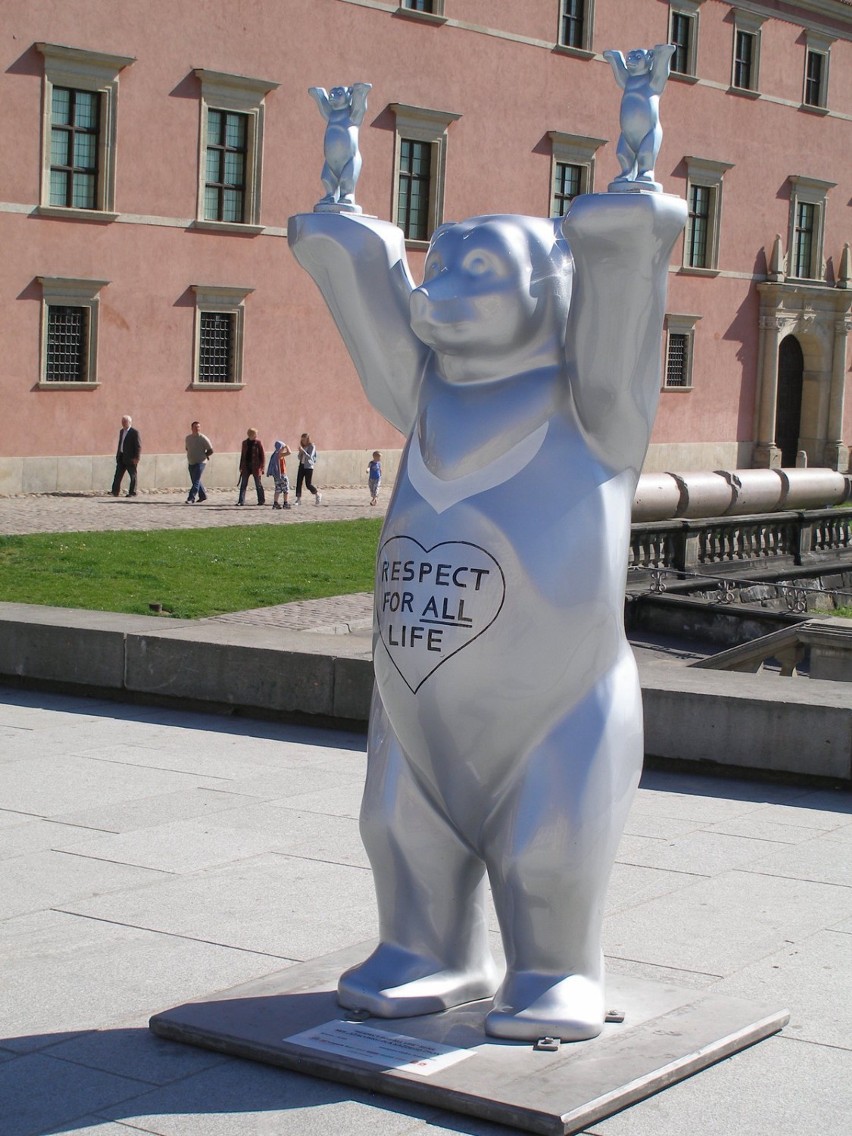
<point x="494" y="618"/>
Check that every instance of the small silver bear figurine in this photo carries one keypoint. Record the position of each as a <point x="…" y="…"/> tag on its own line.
<point x="642" y="77"/>
<point x="343" y="108"/>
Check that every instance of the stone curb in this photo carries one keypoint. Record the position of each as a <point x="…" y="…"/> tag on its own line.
<point x="695" y="717"/>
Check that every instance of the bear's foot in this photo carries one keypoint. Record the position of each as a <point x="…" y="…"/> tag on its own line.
<point x="529" y="1006"/>
<point x="396" y="983"/>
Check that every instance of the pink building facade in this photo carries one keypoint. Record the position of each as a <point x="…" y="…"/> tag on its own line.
<point x="154" y="153"/>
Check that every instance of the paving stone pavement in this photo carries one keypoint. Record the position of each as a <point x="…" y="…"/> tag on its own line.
<point x="66" y="512"/>
<point x="149" y="856"/>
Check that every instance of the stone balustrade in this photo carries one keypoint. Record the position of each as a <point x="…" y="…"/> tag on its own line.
<point x="773" y="540"/>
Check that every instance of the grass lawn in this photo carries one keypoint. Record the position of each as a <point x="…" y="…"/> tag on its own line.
<point x="192" y="573"/>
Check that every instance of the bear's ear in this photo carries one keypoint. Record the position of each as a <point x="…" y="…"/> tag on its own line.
<point x="445" y="228"/>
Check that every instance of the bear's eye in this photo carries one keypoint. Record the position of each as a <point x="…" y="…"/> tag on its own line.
<point x="432" y="269"/>
<point x="477" y="263"/>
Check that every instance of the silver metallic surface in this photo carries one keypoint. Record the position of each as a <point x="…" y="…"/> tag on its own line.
<point x="642" y="76"/>
<point x="343" y="109"/>
<point x="506" y="728"/>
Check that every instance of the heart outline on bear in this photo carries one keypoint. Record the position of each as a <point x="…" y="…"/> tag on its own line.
<point x="486" y="604"/>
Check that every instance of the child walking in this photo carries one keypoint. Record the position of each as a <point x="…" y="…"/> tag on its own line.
<point x="374" y="474"/>
<point x="277" y="470"/>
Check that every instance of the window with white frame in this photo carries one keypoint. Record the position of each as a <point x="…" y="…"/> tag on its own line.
<point x="219" y="326"/>
<point x="69" y="331"/>
<point x="576" y="21"/>
<point x="683" y="33"/>
<point x="745" y="69"/>
<point x="419" y="169"/>
<point x="79" y="131"/>
<point x="572" y="169"/>
<point x="807" y="226"/>
<point x="704" y="199"/>
<point x="815" y="88"/>
<point x="679" y="351"/>
<point x="230" y="150"/>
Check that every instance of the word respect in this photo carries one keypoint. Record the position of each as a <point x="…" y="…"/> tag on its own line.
<point x="440" y="575"/>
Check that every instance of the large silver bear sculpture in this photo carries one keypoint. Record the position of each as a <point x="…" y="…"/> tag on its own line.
<point x="506" y="726"/>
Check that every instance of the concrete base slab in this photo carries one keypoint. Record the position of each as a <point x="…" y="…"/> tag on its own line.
<point x="445" y="1060"/>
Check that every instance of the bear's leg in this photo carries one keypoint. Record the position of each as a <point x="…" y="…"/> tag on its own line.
<point x="330" y="183"/>
<point x="646" y="156"/>
<point x="348" y="179"/>
<point x="626" y="159"/>
<point x="550" y="848"/>
<point x="433" y="951"/>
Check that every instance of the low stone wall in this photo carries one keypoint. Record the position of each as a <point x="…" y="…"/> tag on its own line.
<point x="692" y="716"/>
<point x="220" y="667"/>
<point x="782" y="725"/>
<point x="168" y="471"/>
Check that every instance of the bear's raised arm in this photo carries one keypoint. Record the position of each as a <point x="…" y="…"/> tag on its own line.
<point x="621" y="244"/>
<point x="359" y="265"/>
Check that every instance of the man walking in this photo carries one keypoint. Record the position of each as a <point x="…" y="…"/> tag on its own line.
<point x="126" y="456"/>
<point x="198" y="450"/>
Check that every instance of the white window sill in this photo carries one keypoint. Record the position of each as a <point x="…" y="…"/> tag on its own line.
<point x="574" y="52"/>
<point x="227" y="227"/>
<point x="216" y="386"/>
<point x="50" y="386"/>
<point x="100" y="216"/>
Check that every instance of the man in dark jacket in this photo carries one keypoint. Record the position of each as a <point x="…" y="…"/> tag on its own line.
<point x="126" y="456"/>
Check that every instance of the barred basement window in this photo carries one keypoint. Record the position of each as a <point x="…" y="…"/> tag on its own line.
<point x="69" y="331"/>
<point x="219" y="321"/>
<point x="216" y="347"/>
<point x="680" y="340"/>
<point x="677" y="360"/>
<point x="66" y="351"/>
<point x="418" y="5"/>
